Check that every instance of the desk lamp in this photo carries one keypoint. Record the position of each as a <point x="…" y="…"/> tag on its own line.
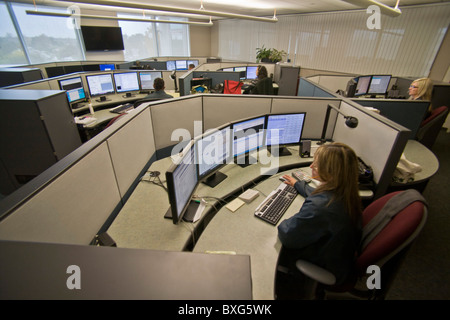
<point x="173" y="75"/>
<point x="350" y="122"/>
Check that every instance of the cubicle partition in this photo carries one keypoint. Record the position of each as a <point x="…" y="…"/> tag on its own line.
<point x="79" y="196"/>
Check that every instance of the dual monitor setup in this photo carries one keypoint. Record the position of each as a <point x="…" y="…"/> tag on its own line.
<point x="203" y="157"/>
<point x="107" y="83"/>
<point x="372" y="85"/>
<point x="245" y="73"/>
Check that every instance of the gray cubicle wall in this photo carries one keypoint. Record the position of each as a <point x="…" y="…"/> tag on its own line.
<point x="408" y="113"/>
<point x="307" y="88"/>
<point x="79" y="196"/>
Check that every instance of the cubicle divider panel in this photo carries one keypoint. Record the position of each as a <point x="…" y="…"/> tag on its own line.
<point x="315" y="109"/>
<point x="72" y="208"/>
<point x="174" y="120"/>
<point x="332" y="82"/>
<point x="378" y="141"/>
<point x="219" y="109"/>
<point x="307" y="88"/>
<point x="132" y="148"/>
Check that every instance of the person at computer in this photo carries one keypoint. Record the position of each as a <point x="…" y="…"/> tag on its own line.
<point x="159" y="93"/>
<point x="327" y="229"/>
<point x="264" y="83"/>
<point x="421" y="89"/>
<point x="191" y="66"/>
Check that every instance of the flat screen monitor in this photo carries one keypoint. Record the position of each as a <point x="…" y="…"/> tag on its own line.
<point x="242" y="72"/>
<point x="194" y="62"/>
<point x="181" y="65"/>
<point x="98" y="38"/>
<point x="107" y="67"/>
<point x="248" y="135"/>
<point x="362" y="86"/>
<point x="251" y="73"/>
<point x="182" y="179"/>
<point x="74" y="89"/>
<point x="379" y="84"/>
<point x="228" y="69"/>
<point x="213" y="151"/>
<point x="126" y="82"/>
<point x="100" y="84"/>
<point x="284" y="129"/>
<point x="171" y="65"/>
<point x="147" y="77"/>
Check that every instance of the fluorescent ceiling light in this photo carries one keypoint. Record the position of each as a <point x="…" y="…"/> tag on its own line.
<point x="89" y="16"/>
<point x="384" y="9"/>
<point x="145" y="6"/>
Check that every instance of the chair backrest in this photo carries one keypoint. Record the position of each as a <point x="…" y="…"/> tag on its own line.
<point x="395" y="236"/>
<point x="430" y="127"/>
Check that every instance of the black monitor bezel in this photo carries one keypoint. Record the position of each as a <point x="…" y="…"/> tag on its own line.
<point x="171" y="187"/>
<point x="148" y="71"/>
<point x="368" y="85"/>
<point x="82" y="85"/>
<point x="232" y="136"/>
<point x="387" y="86"/>
<point x="213" y="170"/>
<point x="280" y="114"/>
<point x="98" y="75"/>
<point x="123" y="91"/>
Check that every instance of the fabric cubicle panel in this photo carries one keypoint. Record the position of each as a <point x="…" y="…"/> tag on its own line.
<point x="71" y="208"/>
<point x="377" y="140"/>
<point x="315" y="114"/>
<point x="131" y="148"/>
<point x="173" y="114"/>
<point x="220" y="109"/>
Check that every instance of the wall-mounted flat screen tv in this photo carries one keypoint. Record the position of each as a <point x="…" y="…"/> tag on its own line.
<point x="102" y="38"/>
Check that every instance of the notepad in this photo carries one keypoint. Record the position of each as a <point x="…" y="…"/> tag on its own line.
<point x="235" y="204"/>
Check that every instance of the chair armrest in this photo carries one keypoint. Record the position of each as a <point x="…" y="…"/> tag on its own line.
<point x="315" y="272"/>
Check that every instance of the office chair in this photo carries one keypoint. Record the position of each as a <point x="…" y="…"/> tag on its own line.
<point x="386" y="250"/>
<point x="430" y="127"/>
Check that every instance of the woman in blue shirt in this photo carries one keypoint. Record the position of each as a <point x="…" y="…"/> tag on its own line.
<point x="327" y="229"/>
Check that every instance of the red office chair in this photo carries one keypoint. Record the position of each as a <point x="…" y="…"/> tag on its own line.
<point x="386" y="250"/>
<point x="430" y="127"/>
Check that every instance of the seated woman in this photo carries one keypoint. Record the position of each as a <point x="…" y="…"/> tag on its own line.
<point x="264" y="84"/>
<point x="327" y="229"/>
<point x="421" y="89"/>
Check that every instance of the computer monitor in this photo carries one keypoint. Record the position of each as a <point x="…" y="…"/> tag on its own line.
<point x="182" y="179"/>
<point x="248" y="135"/>
<point x="74" y="89"/>
<point x="242" y="72"/>
<point x="379" y="84"/>
<point x="147" y="77"/>
<point x="213" y="152"/>
<point x="100" y="84"/>
<point x="362" y="86"/>
<point x="251" y="73"/>
<point x="126" y="82"/>
<point x="107" y="67"/>
<point x="181" y="65"/>
<point x="282" y="130"/>
<point x="228" y="69"/>
<point x="171" y="65"/>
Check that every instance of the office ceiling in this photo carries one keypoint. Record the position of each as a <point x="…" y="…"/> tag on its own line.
<point x="266" y="7"/>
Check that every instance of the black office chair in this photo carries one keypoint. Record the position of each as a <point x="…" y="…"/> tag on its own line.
<point x="141" y="101"/>
<point x="430" y="127"/>
<point x="386" y="250"/>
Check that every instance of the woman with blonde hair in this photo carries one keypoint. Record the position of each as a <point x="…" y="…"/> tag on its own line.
<point x="327" y="229"/>
<point x="421" y="89"/>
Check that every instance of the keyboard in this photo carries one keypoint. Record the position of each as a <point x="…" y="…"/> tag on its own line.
<point x="122" y="108"/>
<point x="273" y="207"/>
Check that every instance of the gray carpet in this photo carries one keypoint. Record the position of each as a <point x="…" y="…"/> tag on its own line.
<point x="425" y="273"/>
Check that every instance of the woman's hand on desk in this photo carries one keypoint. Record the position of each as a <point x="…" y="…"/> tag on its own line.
<point x="289" y="180"/>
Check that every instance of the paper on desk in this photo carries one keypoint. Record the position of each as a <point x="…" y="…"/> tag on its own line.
<point x="199" y="211"/>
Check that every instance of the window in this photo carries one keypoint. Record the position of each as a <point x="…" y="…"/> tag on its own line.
<point x="173" y="39"/>
<point x="47" y="39"/>
<point x="11" y="51"/>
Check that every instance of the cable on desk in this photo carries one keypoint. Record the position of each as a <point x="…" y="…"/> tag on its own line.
<point x="154" y="178"/>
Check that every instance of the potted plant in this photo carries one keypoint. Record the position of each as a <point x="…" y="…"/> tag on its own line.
<point x="277" y="55"/>
<point x="269" y="55"/>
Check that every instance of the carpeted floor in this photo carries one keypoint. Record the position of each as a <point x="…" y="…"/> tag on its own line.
<point x="425" y="273"/>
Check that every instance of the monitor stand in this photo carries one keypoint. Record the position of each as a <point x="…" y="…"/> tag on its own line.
<point x="188" y="215"/>
<point x="245" y="161"/>
<point x="214" y="179"/>
<point x="282" y="151"/>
